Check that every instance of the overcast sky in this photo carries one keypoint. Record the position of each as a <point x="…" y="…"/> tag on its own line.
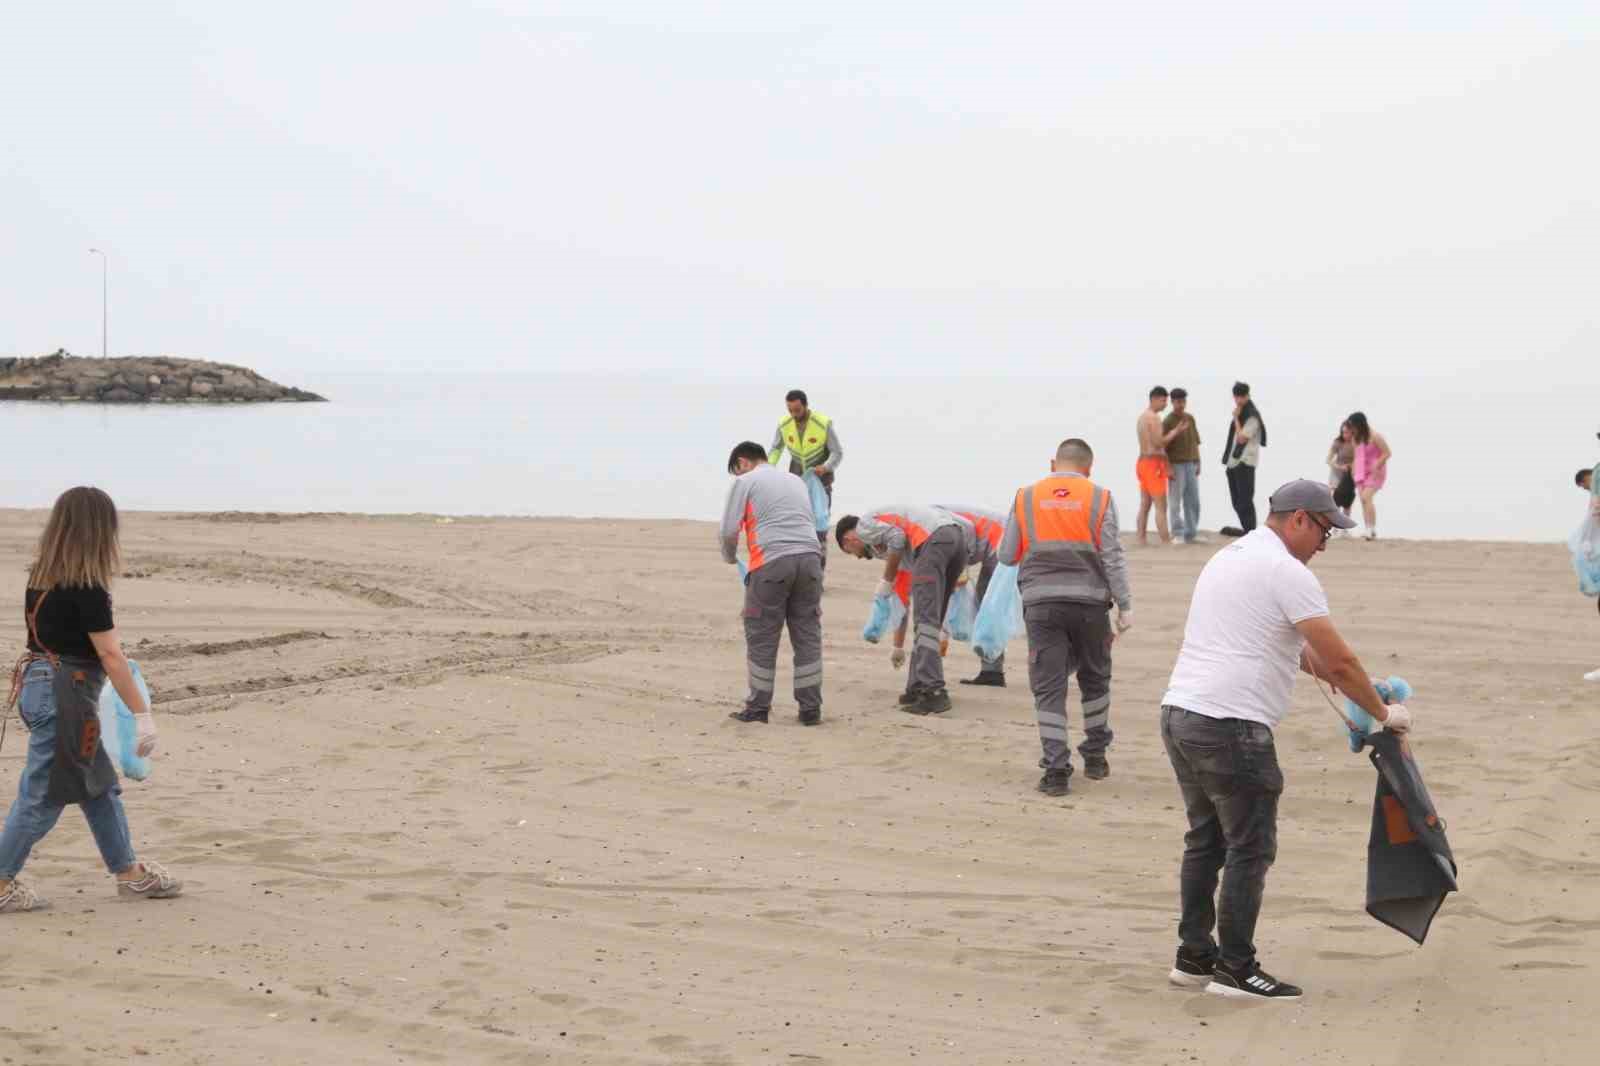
<point x="1231" y="187"/>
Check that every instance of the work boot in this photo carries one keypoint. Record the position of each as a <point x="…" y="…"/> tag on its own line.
<point x="811" y="716"/>
<point x="1055" y="782"/>
<point x="1096" y="768"/>
<point x="992" y="678"/>
<point x="934" y="701"/>
<point x="749" y="715"/>
<point x="910" y="696"/>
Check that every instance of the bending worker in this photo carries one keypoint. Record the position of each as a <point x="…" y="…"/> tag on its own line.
<point x="784" y="582"/>
<point x="989" y="528"/>
<point x="935" y="543"/>
<point x="813" y="446"/>
<point x="1062" y="534"/>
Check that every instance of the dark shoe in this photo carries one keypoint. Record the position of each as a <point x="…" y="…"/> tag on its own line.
<point x="1055" y="782"/>
<point x="748" y="715"/>
<point x="1192" y="969"/>
<point x="909" y="696"/>
<point x="936" y="701"/>
<point x="811" y="717"/>
<point x="1095" y="767"/>
<point x="1231" y="531"/>
<point x="992" y="678"/>
<point x="1252" y="982"/>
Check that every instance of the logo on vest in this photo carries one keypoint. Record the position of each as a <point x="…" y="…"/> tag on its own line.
<point x="1062" y="493"/>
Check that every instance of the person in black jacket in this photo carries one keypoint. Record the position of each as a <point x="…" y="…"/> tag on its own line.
<point x="73" y="648"/>
<point x="1241" y="451"/>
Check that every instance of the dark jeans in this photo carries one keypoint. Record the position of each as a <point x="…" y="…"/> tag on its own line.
<point x="1242" y="489"/>
<point x="1228" y="773"/>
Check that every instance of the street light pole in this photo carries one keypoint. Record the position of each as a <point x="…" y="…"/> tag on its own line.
<point x="103" y="269"/>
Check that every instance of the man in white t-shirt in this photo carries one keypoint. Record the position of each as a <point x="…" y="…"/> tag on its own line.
<point x="1258" y="615"/>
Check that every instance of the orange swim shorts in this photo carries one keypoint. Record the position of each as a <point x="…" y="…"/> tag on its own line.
<point x="1153" y="473"/>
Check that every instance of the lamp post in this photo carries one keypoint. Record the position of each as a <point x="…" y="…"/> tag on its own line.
<point x="103" y="270"/>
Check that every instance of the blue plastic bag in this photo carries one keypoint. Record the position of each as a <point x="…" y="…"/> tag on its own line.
<point x="1394" y="690"/>
<point x="744" y="571"/>
<point x="819" y="501"/>
<point x="1000" y="617"/>
<point x="879" y="622"/>
<point x="119" y="732"/>
<point x="962" y="613"/>
<point x="1585" y="546"/>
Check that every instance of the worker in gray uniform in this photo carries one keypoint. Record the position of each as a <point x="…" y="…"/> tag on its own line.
<point x="989" y="529"/>
<point x="1062" y="534"/>
<point x="936" y="544"/>
<point x="783" y="585"/>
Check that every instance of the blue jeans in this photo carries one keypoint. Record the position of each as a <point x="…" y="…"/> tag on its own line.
<point x="1227" y="770"/>
<point x="1184" y="500"/>
<point x="33" y="815"/>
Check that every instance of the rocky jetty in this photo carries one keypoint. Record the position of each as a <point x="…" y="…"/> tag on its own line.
<point x="139" y="379"/>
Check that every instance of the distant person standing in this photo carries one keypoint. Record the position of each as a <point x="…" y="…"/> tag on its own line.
<point x="813" y="446"/>
<point x="1183" y="456"/>
<point x="1152" y="469"/>
<point x="1589" y="481"/>
<point x="1341" y="457"/>
<point x="1370" y="468"/>
<point x="783" y="585"/>
<point x="936" y="544"/>
<point x="1258" y="614"/>
<point x="1062" y="535"/>
<point x="1247" y="435"/>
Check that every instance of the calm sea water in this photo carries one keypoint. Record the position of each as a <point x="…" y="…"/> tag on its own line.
<point x="1468" y="464"/>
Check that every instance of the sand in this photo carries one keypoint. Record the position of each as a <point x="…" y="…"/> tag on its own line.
<point x="465" y="791"/>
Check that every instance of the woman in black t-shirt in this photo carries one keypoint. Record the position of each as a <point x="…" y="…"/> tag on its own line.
<point x="73" y="649"/>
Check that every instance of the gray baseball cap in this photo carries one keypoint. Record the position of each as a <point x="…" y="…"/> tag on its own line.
<point x="1311" y="496"/>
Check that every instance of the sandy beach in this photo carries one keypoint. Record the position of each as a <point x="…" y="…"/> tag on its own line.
<point x="465" y="791"/>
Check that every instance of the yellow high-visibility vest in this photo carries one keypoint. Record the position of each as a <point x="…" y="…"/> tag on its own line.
<point x="813" y="450"/>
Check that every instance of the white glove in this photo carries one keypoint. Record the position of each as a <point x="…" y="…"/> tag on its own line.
<point x="884" y="590"/>
<point x="146" y="725"/>
<point x="1399" y="720"/>
<point x="897" y="658"/>
<point x="1124" y="622"/>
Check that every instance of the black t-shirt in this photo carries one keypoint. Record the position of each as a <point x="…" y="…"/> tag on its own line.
<point x="67" y="618"/>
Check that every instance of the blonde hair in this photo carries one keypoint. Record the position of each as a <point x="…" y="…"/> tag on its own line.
<point x="78" y="548"/>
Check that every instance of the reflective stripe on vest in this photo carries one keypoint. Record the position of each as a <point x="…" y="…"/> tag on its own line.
<point x="1061" y="513"/>
<point x="813" y="449"/>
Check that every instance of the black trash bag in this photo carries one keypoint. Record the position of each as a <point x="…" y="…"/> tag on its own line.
<point x="1410" y="868"/>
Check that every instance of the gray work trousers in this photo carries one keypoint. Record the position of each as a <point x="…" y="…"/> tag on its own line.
<point x="786" y="590"/>
<point x="934" y="574"/>
<point x="996" y="665"/>
<point x="1066" y="638"/>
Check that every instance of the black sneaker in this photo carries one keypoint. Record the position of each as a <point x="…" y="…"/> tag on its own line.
<point x="1252" y="982"/>
<point x="1095" y="767"/>
<point x="1192" y="969"/>
<point x="1055" y="782"/>
<point x="811" y="717"/>
<point x="748" y="715"/>
<point x="992" y="678"/>
<point x="910" y="696"/>
<point x="934" y="701"/>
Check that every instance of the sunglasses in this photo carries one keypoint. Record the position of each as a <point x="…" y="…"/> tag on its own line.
<point x="1327" y="530"/>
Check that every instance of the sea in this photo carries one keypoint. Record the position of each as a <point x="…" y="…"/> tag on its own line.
<point x="1472" y="459"/>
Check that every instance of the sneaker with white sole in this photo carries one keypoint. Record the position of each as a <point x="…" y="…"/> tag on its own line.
<point x="20" y="897"/>
<point x="1592" y="675"/>
<point x="1252" y="982"/>
<point x="156" y="883"/>
<point x="1191" y="969"/>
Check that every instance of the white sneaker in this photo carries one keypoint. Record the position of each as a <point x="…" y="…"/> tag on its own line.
<point x="1592" y="675"/>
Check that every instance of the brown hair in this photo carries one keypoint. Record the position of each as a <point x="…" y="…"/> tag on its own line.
<point x="79" y="546"/>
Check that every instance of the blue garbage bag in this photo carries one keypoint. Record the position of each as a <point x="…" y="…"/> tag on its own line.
<point x="962" y="613"/>
<point x="1585" y="546"/>
<point x="1000" y="617"/>
<point x="744" y="571"/>
<point x="878" y="623"/>
<point x="119" y="732"/>
<point x="819" y="501"/>
<point x="1394" y="690"/>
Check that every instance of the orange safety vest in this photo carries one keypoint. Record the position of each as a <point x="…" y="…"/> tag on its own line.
<point x="988" y="529"/>
<point x="916" y="535"/>
<point x="1070" y="511"/>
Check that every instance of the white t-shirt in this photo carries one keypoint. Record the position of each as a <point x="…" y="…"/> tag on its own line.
<point x="1240" y="647"/>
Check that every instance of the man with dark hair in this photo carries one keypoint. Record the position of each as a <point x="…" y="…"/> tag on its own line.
<point x="813" y="446"/>
<point x="1183" y="455"/>
<point x="1062" y="535"/>
<point x="783" y="583"/>
<point x="1585" y="479"/>
<point x="1258" y="614"/>
<point x="936" y="544"/>
<point x="1152" y="469"/>
<point x="1247" y="435"/>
